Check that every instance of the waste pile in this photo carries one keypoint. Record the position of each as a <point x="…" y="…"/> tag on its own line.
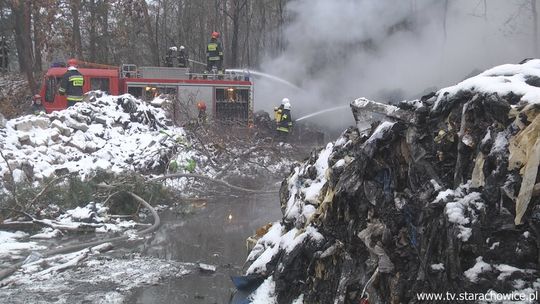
<point x="441" y="195"/>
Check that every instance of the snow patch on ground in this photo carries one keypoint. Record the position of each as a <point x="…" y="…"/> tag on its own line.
<point x="11" y="244"/>
<point x="97" y="280"/>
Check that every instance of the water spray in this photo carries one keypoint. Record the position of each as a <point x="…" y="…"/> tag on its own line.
<point x="281" y="80"/>
<point x="321" y="112"/>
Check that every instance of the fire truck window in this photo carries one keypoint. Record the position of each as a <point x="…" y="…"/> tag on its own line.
<point x="50" y="89"/>
<point x="101" y="84"/>
<point x="135" y="91"/>
<point x="220" y="95"/>
<point x="242" y="95"/>
<point x="168" y="90"/>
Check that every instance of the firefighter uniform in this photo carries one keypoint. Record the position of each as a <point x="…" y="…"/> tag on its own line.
<point x="71" y="86"/>
<point x="214" y="55"/>
<point x="182" y="58"/>
<point x="278" y="111"/>
<point x="285" y="123"/>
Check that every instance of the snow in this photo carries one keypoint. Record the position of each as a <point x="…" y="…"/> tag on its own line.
<point x="92" y="135"/>
<point x="267" y="246"/>
<point x="379" y="131"/>
<point x="299" y="300"/>
<point x="92" y="279"/>
<point x="47" y="233"/>
<point x="273" y="241"/>
<point x="265" y="294"/>
<point x="438" y="267"/>
<point x="301" y="197"/>
<point x="461" y="208"/>
<point x="502" y="80"/>
<point x="494" y="245"/>
<point x="10" y="243"/>
<point x="477" y="269"/>
<point x="507" y="270"/>
<point x="339" y="163"/>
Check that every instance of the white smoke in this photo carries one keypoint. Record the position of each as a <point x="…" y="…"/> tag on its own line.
<point x="386" y="50"/>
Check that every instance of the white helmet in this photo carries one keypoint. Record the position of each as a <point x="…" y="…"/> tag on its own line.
<point x="285" y="100"/>
<point x="287" y="106"/>
<point x="172" y="48"/>
<point x="182" y="47"/>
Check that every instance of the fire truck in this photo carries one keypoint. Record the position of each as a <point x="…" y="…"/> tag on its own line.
<point x="228" y="97"/>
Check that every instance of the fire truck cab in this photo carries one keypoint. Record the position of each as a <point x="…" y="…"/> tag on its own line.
<point x="228" y="97"/>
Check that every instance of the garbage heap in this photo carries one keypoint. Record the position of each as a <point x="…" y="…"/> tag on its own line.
<point x="441" y="195"/>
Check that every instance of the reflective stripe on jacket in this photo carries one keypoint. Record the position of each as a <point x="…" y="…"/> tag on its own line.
<point x="285" y="123"/>
<point x="72" y="85"/>
<point x="214" y="51"/>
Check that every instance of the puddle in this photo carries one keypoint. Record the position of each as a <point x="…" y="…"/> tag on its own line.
<point x="214" y="234"/>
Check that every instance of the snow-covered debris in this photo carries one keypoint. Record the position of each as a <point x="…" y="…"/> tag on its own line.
<point x="265" y="294"/>
<point x="517" y="79"/>
<point x="93" y="280"/>
<point x="478" y="268"/>
<point x="117" y="133"/>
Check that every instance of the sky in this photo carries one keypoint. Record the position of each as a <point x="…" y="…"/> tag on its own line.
<point x="337" y="51"/>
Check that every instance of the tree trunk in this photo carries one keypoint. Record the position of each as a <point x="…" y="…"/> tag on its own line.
<point x="92" y="31"/>
<point x="77" y="42"/>
<point x="151" y="39"/>
<point x="38" y="37"/>
<point x="104" y="45"/>
<point x="23" y="40"/>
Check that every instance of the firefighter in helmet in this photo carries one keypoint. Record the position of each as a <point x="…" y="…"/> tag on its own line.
<point x="71" y="84"/>
<point x="214" y="54"/>
<point x="278" y="111"/>
<point x="182" y="57"/>
<point x="285" y="123"/>
<point x="171" y="53"/>
<point x="201" y="118"/>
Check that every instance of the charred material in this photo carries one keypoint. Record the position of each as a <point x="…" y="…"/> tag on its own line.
<point x="438" y="197"/>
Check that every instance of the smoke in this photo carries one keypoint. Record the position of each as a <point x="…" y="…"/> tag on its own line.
<point x="389" y="50"/>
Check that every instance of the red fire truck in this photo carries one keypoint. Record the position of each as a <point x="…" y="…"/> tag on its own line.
<point x="228" y="97"/>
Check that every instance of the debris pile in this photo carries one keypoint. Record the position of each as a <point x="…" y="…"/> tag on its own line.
<point x="441" y="196"/>
<point x="119" y="134"/>
<point x="109" y="132"/>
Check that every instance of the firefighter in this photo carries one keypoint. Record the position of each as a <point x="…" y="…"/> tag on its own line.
<point x="214" y="54"/>
<point x="284" y="125"/>
<point x="279" y="110"/>
<point x="171" y="53"/>
<point x="182" y="57"/>
<point x="201" y="118"/>
<point x="71" y="84"/>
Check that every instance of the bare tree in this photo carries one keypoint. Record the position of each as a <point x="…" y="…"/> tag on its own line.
<point x="21" y="11"/>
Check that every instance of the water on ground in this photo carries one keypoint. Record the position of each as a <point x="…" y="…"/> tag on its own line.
<point x="215" y="234"/>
